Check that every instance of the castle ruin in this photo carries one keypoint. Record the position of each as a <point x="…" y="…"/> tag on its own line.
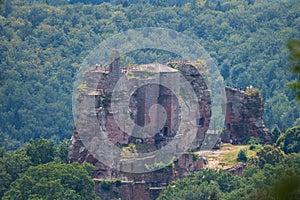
<point x="243" y="119"/>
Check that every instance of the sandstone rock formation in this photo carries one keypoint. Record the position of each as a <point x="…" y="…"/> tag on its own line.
<point x="243" y="118"/>
<point x="237" y="169"/>
<point x="161" y="85"/>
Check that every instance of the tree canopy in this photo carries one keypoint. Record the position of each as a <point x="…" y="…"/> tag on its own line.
<point x="294" y="47"/>
<point x="40" y="171"/>
<point x="53" y="181"/>
<point x="42" y="46"/>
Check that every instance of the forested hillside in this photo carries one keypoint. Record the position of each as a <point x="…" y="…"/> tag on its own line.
<point x="42" y="46"/>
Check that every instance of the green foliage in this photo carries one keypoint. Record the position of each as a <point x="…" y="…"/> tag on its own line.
<point x="253" y="142"/>
<point x="242" y="155"/>
<point x="12" y="164"/>
<point x="280" y="181"/>
<point x="53" y="181"/>
<point x="132" y="148"/>
<point x="269" y="155"/>
<point x="63" y="150"/>
<point x="40" y="151"/>
<point x="81" y="88"/>
<point x="118" y="182"/>
<point x="294" y="47"/>
<point x="106" y="185"/>
<point x="155" y="166"/>
<point x="42" y="45"/>
<point x="206" y="184"/>
<point x="276" y="133"/>
<point x="289" y="142"/>
<point x="196" y="157"/>
<point x="252" y="92"/>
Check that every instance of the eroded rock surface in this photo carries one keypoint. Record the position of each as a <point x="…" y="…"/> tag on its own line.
<point x="243" y="118"/>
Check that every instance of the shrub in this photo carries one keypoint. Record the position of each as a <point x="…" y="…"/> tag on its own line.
<point x="253" y="142"/>
<point x="269" y="155"/>
<point x="289" y="142"/>
<point x="242" y="155"/>
<point x="118" y="182"/>
<point x="106" y="185"/>
<point x="132" y="148"/>
<point x="196" y="157"/>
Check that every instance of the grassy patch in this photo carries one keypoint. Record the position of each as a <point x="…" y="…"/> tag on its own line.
<point x="226" y="157"/>
<point x="229" y="155"/>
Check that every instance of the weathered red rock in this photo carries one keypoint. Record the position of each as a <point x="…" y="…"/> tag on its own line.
<point x="237" y="169"/>
<point x="243" y="118"/>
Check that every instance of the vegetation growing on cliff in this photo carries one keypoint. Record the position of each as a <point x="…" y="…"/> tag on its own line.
<point x="43" y="44"/>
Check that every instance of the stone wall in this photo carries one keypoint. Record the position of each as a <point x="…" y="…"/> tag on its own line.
<point x="145" y="186"/>
<point x="127" y="190"/>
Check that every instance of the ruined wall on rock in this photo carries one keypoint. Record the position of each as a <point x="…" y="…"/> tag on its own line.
<point x="147" y="185"/>
<point x="100" y="84"/>
<point x="243" y="117"/>
<point x="127" y="190"/>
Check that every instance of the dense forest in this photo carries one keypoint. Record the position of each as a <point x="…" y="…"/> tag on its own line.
<point x="43" y="44"/>
<point x="53" y="44"/>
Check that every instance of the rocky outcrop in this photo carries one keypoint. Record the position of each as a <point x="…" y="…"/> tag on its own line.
<point x="243" y="119"/>
<point x="147" y="186"/>
<point x="99" y="86"/>
<point x="243" y="116"/>
<point x="237" y="169"/>
<point x="127" y="190"/>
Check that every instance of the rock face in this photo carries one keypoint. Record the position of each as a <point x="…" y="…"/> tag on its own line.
<point x="147" y="186"/>
<point x="237" y="169"/>
<point x="243" y="118"/>
<point x="155" y="101"/>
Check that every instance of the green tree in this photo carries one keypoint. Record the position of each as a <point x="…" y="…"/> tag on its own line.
<point x="242" y="155"/>
<point x="269" y="155"/>
<point x="40" y="151"/>
<point x="5" y="180"/>
<point x="12" y="165"/>
<point x="206" y="184"/>
<point x="294" y="47"/>
<point x="276" y="133"/>
<point x="281" y="181"/>
<point x="53" y="181"/>
<point x="289" y="142"/>
<point x="62" y="150"/>
<point x="253" y="142"/>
